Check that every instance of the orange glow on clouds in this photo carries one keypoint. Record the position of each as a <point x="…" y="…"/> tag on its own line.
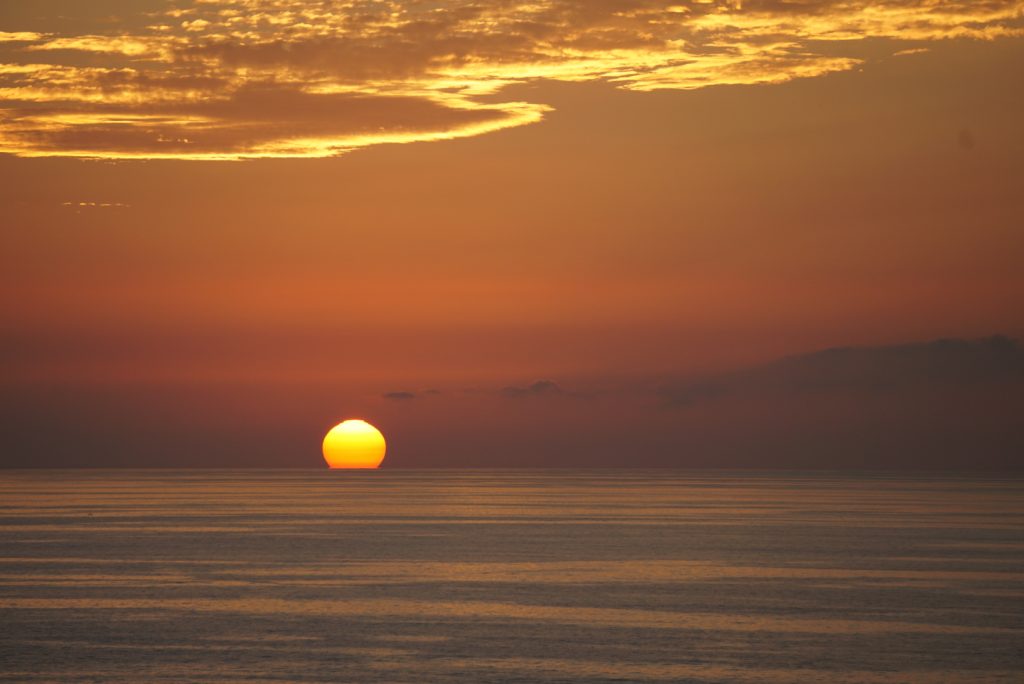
<point x="354" y="444"/>
<point x="238" y="79"/>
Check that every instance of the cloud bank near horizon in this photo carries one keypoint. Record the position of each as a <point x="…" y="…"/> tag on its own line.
<point x="938" y="366"/>
<point x="945" y="404"/>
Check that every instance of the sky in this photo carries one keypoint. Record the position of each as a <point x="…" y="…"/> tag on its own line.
<point x="549" y="234"/>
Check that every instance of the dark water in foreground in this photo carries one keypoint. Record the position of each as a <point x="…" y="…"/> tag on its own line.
<point x="509" y="576"/>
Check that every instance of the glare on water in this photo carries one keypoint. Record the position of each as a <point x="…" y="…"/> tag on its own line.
<point x="504" y="575"/>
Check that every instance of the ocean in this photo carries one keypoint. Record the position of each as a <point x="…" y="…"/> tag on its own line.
<point x="509" y="576"/>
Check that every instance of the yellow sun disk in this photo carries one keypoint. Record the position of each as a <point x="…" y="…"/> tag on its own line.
<point x="354" y="444"/>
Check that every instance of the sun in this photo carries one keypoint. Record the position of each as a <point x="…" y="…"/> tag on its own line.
<point x="354" y="444"/>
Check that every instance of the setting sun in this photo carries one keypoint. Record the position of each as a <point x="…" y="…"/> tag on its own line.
<point x="690" y="323"/>
<point x="354" y="444"/>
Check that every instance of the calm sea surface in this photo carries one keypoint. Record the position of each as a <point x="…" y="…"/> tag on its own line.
<point x="493" y="576"/>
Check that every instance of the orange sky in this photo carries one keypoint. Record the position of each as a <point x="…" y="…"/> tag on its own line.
<point x="472" y="196"/>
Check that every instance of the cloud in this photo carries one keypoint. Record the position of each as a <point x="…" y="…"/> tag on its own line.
<point x="236" y="79"/>
<point x="940" y="366"/>
<point x="78" y="206"/>
<point x="910" y="51"/>
<point x="258" y="120"/>
<point x="399" y="396"/>
<point x="122" y="45"/>
<point x="941" y="404"/>
<point x="20" y="36"/>
<point x="540" y="388"/>
<point x="965" y="139"/>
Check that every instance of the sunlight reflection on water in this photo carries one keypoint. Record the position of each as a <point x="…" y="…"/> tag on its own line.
<point x="503" y="575"/>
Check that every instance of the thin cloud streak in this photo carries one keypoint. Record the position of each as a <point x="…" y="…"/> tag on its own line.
<point x="399" y="396"/>
<point x="540" y="388"/>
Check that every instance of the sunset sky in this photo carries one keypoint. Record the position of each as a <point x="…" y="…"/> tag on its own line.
<point x="548" y="233"/>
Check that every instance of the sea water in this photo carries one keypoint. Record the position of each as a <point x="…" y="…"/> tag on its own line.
<point x="504" y="576"/>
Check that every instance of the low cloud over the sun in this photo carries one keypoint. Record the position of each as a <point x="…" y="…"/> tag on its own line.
<point x="234" y="79"/>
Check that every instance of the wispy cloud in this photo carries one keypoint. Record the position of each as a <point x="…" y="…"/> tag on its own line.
<point x="80" y="205"/>
<point x="399" y="396"/>
<point x="235" y="79"/>
<point x="540" y="388"/>
<point x="20" y="36"/>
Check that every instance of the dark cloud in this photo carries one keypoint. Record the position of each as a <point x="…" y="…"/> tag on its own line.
<point x="399" y="396"/>
<point x="965" y="139"/>
<point x="940" y="366"/>
<point x="541" y="388"/>
<point x="947" y="404"/>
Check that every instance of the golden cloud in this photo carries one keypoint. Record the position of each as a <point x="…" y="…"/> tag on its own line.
<point x="236" y="79"/>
